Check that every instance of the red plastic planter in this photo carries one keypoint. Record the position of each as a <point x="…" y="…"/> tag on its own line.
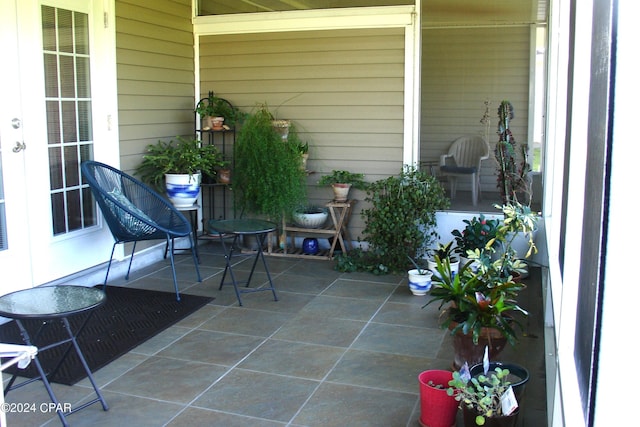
<point x="437" y="409"/>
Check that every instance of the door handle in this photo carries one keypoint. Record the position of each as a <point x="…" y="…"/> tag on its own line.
<point x="19" y="147"/>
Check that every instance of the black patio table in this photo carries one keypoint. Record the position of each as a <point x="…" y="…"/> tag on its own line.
<point x="244" y="227"/>
<point x="46" y="304"/>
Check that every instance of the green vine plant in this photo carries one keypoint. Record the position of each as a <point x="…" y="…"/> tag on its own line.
<point x="400" y="222"/>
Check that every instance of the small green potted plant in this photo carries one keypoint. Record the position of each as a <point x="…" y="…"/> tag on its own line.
<point x="218" y="113"/>
<point x="477" y="233"/>
<point x="441" y="252"/>
<point x="419" y="278"/>
<point x="342" y="181"/>
<point x="180" y="162"/>
<point x="481" y="397"/>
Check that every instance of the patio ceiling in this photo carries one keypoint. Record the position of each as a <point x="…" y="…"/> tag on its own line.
<point x="435" y="12"/>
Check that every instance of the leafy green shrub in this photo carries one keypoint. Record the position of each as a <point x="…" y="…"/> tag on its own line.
<point x="400" y="222"/>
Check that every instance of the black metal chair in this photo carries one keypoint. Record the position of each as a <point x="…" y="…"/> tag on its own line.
<point x="134" y="212"/>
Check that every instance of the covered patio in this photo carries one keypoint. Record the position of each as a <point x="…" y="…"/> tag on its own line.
<point x="336" y="349"/>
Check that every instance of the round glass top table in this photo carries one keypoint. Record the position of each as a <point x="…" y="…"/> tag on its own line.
<point x="244" y="227"/>
<point x="50" y="302"/>
<point x="53" y="303"/>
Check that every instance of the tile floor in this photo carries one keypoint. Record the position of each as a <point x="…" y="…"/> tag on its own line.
<point x="337" y="349"/>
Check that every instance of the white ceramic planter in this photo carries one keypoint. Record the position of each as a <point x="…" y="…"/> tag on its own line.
<point x="310" y="220"/>
<point x="183" y="189"/>
<point x="419" y="284"/>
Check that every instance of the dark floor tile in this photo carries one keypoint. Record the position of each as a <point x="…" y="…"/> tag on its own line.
<point x="256" y="394"/>
<point x="409" y="340"/>
<point x="340" y="307"/>
<point x="212" y="347"/>
<point x="125" y="410"/>
<point x="320" y="330"/>
<point x="198" y="417"/>
<point x="339" y="405"/>
<point x="246" y="321"/>
<point x="407" y="314"/>
<point x="303" y="284"/>
<point x="394" y="372"/>
<point x="293" y="359"/>
<point x="360" y="289"/>
<point x="167" y="379"/>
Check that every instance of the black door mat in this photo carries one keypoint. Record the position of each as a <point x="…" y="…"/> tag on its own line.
<point x="128" y="318"/>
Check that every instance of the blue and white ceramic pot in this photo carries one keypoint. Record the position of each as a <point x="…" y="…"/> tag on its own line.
<point x="183" y="189"/>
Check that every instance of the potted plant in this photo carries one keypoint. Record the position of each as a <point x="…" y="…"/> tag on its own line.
<point x="482" y="303"/>
<point x="179" y="166"/>
<point x="302" y="147"/>
<point x="438" y="408"/>
<point x="486" y="400"/>
<point x="310" y="216"/>
<point x="419" y="278"/>
<point x="512" y="159"/>
<point x="342" y="181"/>
<point x="268" y="179"/>
<point x="443" y="251"/>
<point x="224" y="173"/>
<point x="218" y="113"/>
<point x="477" y="233"/>
<point x="399" y="223"/>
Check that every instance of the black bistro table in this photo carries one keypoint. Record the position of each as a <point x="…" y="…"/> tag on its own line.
<point x="49" y="304"/>
<point x="244" y="227"/>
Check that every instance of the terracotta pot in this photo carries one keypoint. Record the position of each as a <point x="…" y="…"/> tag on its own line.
<point x="214" y="123"/>
<point x="224" y="176"/>
<point x="282" y="127"/>
<point x="466" y="351"/>
<point x="341" y="192"/>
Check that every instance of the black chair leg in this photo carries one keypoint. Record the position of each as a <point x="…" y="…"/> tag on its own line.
<point x="173" y="267"/>
<point x="194" y="254"/>
<point x="104" y="285"/>
<point x="133" y="251"/>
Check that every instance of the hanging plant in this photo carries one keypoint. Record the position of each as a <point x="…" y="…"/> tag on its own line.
<point x="513" y="159"/>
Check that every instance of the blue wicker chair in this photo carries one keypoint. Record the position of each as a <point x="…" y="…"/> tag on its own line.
<point x="134" y="212"/>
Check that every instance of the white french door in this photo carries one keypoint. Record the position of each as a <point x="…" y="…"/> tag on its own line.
<point x="53" y="116"/>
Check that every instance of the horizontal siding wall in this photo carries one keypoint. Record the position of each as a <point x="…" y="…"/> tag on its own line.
<point x="463" y="67"/>
<point x="342" y="89"/>
<point x="155" y="60"/>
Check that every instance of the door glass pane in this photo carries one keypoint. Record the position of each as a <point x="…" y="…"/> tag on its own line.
<point x="68" y="102"/>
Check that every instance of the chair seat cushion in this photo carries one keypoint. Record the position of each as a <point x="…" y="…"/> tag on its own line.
<point x="458" y="169"/>
<point x="136" y="222"/>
